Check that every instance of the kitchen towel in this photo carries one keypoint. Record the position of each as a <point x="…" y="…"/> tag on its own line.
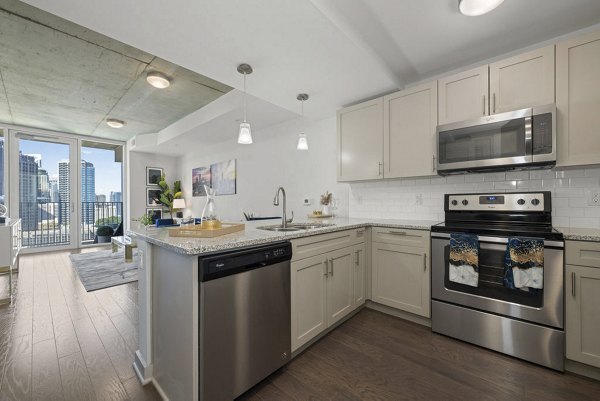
<point x="524" y="263"/>
<point x="464" y="259"/>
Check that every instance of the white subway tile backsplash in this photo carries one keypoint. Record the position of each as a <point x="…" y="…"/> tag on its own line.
<point x="422" y="198"/>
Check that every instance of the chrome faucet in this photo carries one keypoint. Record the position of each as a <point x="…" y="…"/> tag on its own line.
<point x="284" y="220"/>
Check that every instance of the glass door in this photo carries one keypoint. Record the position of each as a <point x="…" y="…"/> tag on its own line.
<point x="43" y="184"/>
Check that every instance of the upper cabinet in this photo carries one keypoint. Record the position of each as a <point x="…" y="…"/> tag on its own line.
<point x="360" y="141"/>
<point x="409" y="122"/>
<point x="515" y="83"/>
<point x="578" y="100"/>
<point x="463" y="96"/>
<point x="522" y="81"/>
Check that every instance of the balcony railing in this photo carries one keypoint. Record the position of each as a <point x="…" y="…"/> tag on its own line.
<point x="48" y="223"/>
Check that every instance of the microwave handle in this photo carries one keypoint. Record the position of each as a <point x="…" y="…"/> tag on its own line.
<point x="528" y="137"/>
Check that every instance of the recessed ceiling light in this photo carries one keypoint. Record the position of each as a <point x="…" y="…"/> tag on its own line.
<point x="158" y="80"/>
<point x="474" y="8"/>
<point x="114" y="123"/>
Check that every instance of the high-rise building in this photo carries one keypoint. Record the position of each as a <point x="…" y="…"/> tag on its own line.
<point x="28" y="192"/>
<point x="64" y="190"/>
<point x="116" y="197"/>
<point x="54" y="192"/>
<point x="100" y="198"/>
<point x="88" y="191"/>
<point x="43" y="183"/>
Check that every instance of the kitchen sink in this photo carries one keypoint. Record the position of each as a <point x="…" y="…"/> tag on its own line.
<point x="294" y="227"/>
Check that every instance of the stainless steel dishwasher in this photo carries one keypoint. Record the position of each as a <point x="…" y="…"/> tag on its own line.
<point x="244" y="318"/>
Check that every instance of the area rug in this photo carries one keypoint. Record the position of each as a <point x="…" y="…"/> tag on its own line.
<point x="103" y="269"/>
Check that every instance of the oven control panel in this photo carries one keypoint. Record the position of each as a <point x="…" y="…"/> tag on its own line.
<point x="531" y="201"/>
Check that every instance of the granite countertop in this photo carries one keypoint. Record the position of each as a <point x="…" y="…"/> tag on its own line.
<point x="254" y="236"/>
<point x="580" y="234"/>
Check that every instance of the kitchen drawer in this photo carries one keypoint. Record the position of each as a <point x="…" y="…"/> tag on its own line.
<point x="317" y="244"/>
<point x="582" y="253"/>
<point x="400" y="236"/>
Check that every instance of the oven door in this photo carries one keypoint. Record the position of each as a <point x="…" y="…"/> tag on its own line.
<point x="543" y="306"/>
<point x="499" y="140"/>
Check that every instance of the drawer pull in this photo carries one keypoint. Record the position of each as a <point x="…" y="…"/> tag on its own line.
<point x="397" y="232"/>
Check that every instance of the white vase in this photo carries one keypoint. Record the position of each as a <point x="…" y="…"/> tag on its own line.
<point x="326" y="210"/>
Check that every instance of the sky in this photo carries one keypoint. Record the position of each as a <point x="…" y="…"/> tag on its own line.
<point x="107" y="170"/>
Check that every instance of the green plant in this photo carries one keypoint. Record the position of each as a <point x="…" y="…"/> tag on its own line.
<point x="108" y="221"/>
<point x="167" y="195"/>
<point x="146" y="220"/>
<point x="104" y="231"/>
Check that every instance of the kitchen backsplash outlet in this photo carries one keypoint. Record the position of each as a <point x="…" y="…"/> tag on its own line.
<point x="423" y="198"/>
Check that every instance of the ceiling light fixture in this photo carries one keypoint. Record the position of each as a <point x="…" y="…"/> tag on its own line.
<point x="245" y="132"/>
<point x="302" y="139"/>
<point x="158" y="80"/>
<point x="114" y="123"/>
<point x="474" y="8"/>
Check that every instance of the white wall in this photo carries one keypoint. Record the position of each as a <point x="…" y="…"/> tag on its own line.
<point x="138" y="161"/>
<point x="272" y="161"/>
<point x="423" y="198"/>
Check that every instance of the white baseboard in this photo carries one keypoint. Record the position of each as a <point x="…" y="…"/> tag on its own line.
<point x="160" y="390"/>
<point x="142" y="370"/>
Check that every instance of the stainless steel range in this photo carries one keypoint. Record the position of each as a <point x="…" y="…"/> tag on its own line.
<point x="519" y="322"/>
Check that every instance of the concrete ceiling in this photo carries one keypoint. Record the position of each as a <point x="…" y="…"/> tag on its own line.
<point x="59" y="76"/>
<point x="338" y="51"/>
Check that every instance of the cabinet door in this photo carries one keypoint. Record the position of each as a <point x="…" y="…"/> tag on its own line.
<point x="308" y="292"/>
<point x="340" y="284"/>
<point x="360" y="141"/>
<point x="583" y="314"/>
<point x="401" y="278"/>
<point x="522" y="81"/>
<point x="359" y="275"/>
<point x="578" y="100"/>
<point x="463" y="96"/>
<point x="410" y="119"/>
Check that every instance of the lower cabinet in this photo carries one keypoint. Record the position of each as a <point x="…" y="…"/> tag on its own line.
<point x="325" y="289"/>
<point x="582" y="302"/>
<point x="400" y="277"/>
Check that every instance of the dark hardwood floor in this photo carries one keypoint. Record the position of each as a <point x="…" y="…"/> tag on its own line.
<point x="58" y="342"/>
<point x="374" y="356"/>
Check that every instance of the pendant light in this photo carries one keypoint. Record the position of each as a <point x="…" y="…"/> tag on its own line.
<point x="245" y="133"/>
<point x="473" y="8"/>
<point x="302" y="139"/>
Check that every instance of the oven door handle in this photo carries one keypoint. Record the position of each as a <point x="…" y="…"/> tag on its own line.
<point x="499" y="240"/>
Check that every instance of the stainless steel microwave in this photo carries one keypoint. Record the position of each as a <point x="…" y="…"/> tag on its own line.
<point x="515" y="140"/>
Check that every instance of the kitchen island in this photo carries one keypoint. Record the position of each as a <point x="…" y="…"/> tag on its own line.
<point x="169" y="293"/>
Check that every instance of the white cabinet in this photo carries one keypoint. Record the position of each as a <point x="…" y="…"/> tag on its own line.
<point x="360" y="272"/>
<point x="522" y="81"/>
<point x="410" y="119"/>
<point x="327" y="287"/>
<point x="582" y="302"/>
<point x="517" y="82"/>
<point x="463" y="96"/>
<point x="578" y="100"/>
<point x="400" y="273"/>
<point x="10" y="246"/>
<point x="360" y="141"/>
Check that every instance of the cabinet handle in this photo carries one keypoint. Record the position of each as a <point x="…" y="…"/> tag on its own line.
<point x="573" y="284"/>
<point x="494" y="101"/>
<point x="424" y="262"/>
<point x="331" y="267"/>
<point x="357" y="262"/>
<point x="380" y="172"/>
<point x="483" y="105"/>
<point x="326" y="264"/>
<point x="397" y="232"/>
<point x="433" y="162"/>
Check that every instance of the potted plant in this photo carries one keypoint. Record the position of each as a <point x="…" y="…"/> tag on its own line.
<point x="167" y="195"/>
<point x="104" y="233"/>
